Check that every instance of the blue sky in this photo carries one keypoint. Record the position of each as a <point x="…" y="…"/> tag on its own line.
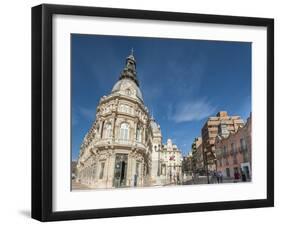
<point x="183" y="82"/>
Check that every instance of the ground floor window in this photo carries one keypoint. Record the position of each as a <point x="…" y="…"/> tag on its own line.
<point x="102" y="170"/>
<point x="163" y="169"/>
<point x="120" y="171"/>
<point x="137" y="168"/>
<point x="227" y="172"/>
<point x="246" y="171"/>
<point x="220" y="163"/>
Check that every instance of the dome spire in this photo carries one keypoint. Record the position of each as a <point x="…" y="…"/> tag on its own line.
<point x="130" y="68"/>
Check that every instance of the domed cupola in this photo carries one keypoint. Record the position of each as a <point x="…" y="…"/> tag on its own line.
<point x="154" y="126"/>
<point x="130" y="69"/>
<point x="128" y="83"/>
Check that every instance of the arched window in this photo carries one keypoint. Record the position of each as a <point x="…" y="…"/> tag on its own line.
<point x="128" y="92"/>
<point x="102" y="128"/>
<point x="107" y="131"/>
<point x="124" y="131"/>
<point x="139" y="134"/>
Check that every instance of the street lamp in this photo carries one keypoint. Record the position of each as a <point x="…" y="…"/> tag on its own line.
<point x="158" y="170"/>
<point x="206" y="165"/>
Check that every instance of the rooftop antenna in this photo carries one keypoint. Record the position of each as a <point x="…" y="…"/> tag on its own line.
<point x="132" y="51"/>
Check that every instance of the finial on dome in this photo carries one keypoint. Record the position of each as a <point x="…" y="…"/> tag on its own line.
<point x="131" y="56"/>
<point x="130" y="68"/>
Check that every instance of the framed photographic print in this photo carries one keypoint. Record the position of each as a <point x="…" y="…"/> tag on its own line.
<point x="145" y="112"/>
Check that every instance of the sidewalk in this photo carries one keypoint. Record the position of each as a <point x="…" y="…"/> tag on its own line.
<point x="78" y="186"/>
<point x="203" y="180"/>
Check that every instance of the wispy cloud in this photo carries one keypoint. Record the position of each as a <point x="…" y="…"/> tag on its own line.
<point x="151" y="92"/>
<point x="192" y="71"/>
<point x="88" y="113"/>
<point x="192" y="110"/>
<point x="74" y="120"/>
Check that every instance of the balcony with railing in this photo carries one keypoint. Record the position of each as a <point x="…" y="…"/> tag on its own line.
<point x="104" y="141"/>
<point x="124" y="141"/>
<point x="245" y="157"/>
<point x="140" y="145"/>
<point x="218" y="155"/>
<point x="121" y="142"/>
<point x="233" y="152"/>
<point x="225" y="154"/>
<point x="243" y="149"/>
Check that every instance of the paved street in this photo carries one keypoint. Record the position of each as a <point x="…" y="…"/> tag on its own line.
<point x="203" y="180"/>
<point x="78" y="186"/>
<point x="199" y="180"/>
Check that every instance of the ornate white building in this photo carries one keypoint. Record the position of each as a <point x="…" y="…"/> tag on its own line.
<point x="123" y="148"/>
<point x="171" y="163"/>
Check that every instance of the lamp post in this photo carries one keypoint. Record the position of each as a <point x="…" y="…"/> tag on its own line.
<point x="158" y="170"/>
<point x="206" y="165"/>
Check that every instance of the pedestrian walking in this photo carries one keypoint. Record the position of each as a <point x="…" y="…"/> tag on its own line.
<point x="221" y="177"/>
<point x="135" y="180"/>
<point x="178" y="178"/>
<point x="170" y="177"/>
<point x="214" y="178"/>
<point x="244" y="179"/>
<point x="217" y="177"/>
<point x="236" y="176"/>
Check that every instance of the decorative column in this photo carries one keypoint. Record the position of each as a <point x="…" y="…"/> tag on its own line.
<point x="113" y="126"/>
<point x="129" y="170"/>
<point x="133" y="169"/>
<point x="110" y="169"/>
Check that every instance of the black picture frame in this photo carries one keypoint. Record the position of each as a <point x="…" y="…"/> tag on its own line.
<point x="42" y="107"/>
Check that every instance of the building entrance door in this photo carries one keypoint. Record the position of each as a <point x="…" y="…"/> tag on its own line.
<point x="246" y="171"/>
<point x="120" y="171"/>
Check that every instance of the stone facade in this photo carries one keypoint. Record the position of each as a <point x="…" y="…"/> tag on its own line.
<point x="234" y="152"/>
<point x="170" y="163"/>
<point x="123" y="147"/>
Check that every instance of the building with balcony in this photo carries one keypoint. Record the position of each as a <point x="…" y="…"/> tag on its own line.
<point x="187" y="164"/>
<point x="234" y="151"/>
<point x="222" y="124"/>
<point x="123" y="147"/>
<point x="197" y="157"/>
